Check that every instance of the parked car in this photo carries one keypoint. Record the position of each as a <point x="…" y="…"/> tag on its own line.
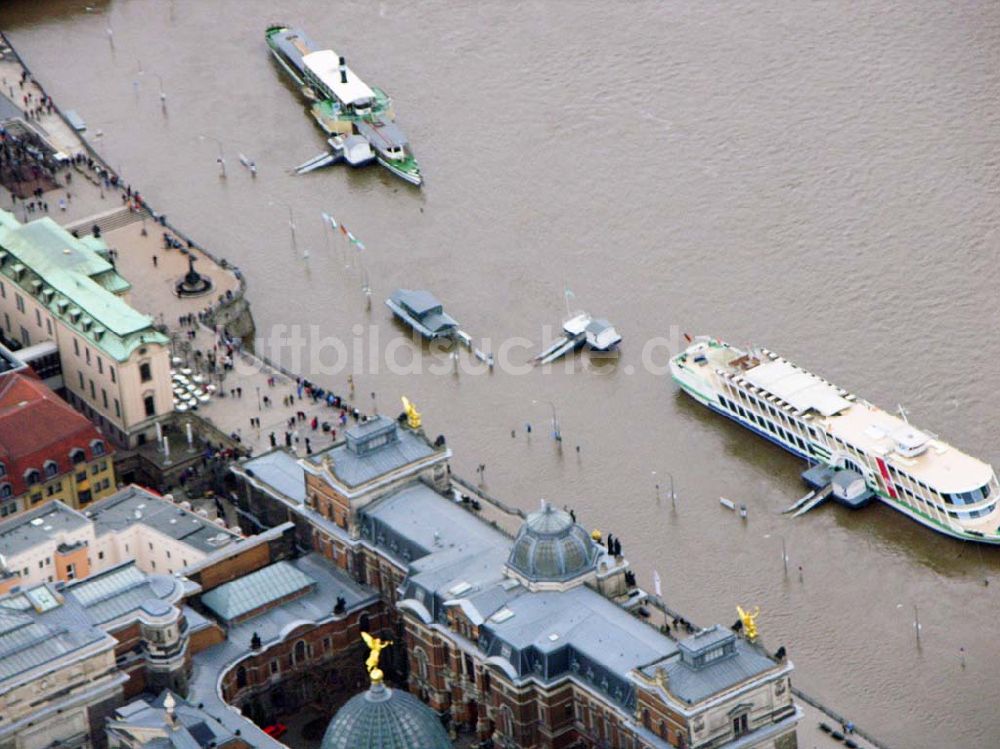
<point x="276" y="730"/>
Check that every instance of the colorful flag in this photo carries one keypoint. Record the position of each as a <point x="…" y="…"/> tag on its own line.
<point x="359" y="246"/>
<point x="656" y="584"/>
<point x="569" y="294"/>
<point x="330" y="220"/>
<point x="351" y="237"/>
<point x="343" y="230"/>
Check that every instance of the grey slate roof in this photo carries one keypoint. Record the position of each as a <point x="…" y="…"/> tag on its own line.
<point x="552" y="634"/>
<point x="22" y="532"/>
<point x="241" y="596"/>
<point x="695" y="684"/>
<point x="194" y="728"/>
<point x="111" y="594"/>
<point x="133" y="504"/>
<point x="423" y="311"/>
<point x="281" y="471"/>
<point x="353" y="469"/>
<point x="551" y="547"/>
<point x="384" y="718"/>
<point x="417" y="301"/>
<point x="32" y="634"/>
<point x="415" y="513"/>
<point x="29" y="639"/>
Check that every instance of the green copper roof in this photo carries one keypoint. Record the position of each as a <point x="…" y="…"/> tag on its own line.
<point x="251" y="592"/>
<point x="72" y="278"/>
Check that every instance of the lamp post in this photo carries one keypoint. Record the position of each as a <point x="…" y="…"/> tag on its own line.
<point x="673" y="495"/>
<point x="556" y="433"/>
<point x="221" y="159"/>
<point x="163" y="95"/>
<point x="291" y="223"/>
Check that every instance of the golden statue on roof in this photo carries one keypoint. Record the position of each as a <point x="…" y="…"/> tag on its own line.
<point x="412" y="414"/>
<point x="749" y="622"/>
<point x="375" y="647"/>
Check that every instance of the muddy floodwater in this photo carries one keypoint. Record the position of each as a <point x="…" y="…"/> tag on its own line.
<point x="820" y="179"/>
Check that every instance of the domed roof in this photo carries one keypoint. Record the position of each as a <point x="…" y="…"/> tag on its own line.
<point x="551" y="547"/>
<point x="384" y="718"/>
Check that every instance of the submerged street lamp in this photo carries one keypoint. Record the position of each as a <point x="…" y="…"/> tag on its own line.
<point x="221" y="159"/>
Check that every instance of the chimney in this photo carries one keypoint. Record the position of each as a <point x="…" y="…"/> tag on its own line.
<point x="343" y="69"/>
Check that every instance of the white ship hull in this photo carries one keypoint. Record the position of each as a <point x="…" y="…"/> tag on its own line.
<point x="810" y="438"/>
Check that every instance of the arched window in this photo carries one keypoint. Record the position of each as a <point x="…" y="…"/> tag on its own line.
<point x="32" y="477"/>
<point x="646" y="722"/>
<point x="364" y="623"/>
<point x="3" y="470"/>
<point x="300" y="651"/>
<point x="97" y="447"/>
<point x="6" y="491"/>
<point x="506" y="722"/>
<point x="77" y="456"/>
<point x="241" y="677"/>
<point x="421" y="658"/>
<point x="51" y="469"/>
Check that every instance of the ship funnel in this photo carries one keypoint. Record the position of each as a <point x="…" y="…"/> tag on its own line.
<point x="343" y="69"/>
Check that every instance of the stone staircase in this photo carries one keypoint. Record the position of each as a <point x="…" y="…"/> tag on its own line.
<point x="107" y="221"/>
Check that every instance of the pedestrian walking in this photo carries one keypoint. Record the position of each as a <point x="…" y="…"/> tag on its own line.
<point x="156" y="261"/>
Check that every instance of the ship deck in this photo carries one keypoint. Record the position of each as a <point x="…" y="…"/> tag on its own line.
<point x="863" y="425"/>
<point x="870" y="429"/>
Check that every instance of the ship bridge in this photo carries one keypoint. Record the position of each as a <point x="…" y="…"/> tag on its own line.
<point x="341" y="82"/>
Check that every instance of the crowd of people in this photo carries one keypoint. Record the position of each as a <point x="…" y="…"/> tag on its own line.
<point x="27" y="166"/>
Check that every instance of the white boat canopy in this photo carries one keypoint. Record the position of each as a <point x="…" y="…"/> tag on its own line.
<point x="802" y="390"/>
<point x="325" y="65"/>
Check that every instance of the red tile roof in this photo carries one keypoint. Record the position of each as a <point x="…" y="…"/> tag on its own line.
<point x="37" y="426"/>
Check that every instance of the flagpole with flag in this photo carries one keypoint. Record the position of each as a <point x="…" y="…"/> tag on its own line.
<point x="568" y="295"/>
<point x="328" y="220"/>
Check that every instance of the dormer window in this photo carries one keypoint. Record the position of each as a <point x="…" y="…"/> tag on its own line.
<point x="77" y="456"/>
<point x="51" y="469"/>
<point x="372" y="435"/>
<point x="97" y="447"/>
<point x="707" y="647"/>
<point x="32" y="477"/>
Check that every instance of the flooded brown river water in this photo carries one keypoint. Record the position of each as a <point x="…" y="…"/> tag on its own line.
<point x="821" y="179"/>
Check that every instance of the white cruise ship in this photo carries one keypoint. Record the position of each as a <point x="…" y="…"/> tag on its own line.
<point x="911" y="471"/>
